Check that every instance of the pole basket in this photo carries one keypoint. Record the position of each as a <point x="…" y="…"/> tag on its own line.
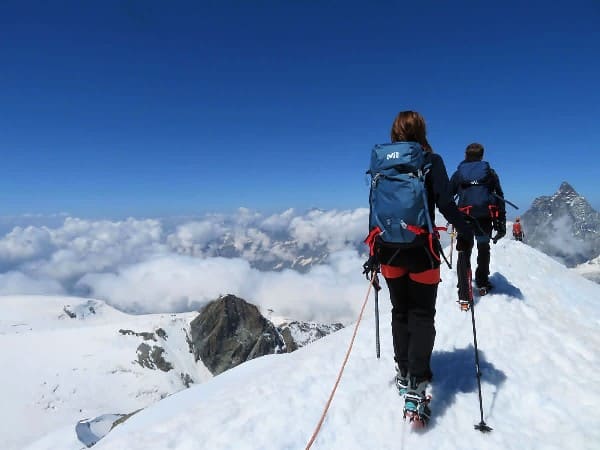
<point x="481" y="426"/>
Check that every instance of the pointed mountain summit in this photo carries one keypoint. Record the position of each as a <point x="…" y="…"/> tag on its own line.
<point x="566" y="189"/>
<point x="564" y="226"/>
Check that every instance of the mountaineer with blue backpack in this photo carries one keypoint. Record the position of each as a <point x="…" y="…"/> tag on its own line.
<point x="481" y="200"/>
<point x="408" y="181"/>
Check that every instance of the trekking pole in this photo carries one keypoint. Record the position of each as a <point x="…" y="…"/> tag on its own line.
<point x="377" y="288"/>
<point x="504" y="200"/>
<point x="452" y="235"/>
<point x="481" y="426"/>
<point x="465" y="295"/>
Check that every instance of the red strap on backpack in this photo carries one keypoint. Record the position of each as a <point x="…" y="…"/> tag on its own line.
<point x="436" y="234"/>
<point x="436" y="229"/>
<point x="370" y="239"/>
<point x="415" y="229"/>
<point x="494" y="211"/>
<point x="466" y="210"/>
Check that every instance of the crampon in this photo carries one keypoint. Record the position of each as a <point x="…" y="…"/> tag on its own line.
<point x="416" y="410"/>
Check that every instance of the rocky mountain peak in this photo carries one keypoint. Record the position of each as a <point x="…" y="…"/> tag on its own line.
<point x="563" y="225"/>
<point x="566" y="189"/>
<point x="566" y="193"/>
<point x="229" y="331"/>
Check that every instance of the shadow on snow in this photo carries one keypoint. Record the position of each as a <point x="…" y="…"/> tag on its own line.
<point x="503" y="286"/>
<point x="454" y="373"/>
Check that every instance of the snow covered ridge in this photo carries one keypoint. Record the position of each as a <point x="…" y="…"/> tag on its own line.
<point x="538" y="339"/>
<point x="80" y="364"/>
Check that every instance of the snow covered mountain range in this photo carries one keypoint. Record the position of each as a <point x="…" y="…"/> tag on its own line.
<point x="538" y="340"/>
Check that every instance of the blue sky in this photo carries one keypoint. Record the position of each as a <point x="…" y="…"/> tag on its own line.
<point x="152" y="108"/>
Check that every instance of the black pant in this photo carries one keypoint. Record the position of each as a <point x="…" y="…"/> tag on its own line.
<point x="413" y="328"/>
<point x="482" y="229"/>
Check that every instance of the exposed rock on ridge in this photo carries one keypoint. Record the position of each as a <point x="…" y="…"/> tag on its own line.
<point x="229" y="331"/>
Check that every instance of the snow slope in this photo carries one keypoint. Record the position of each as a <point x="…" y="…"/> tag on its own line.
<point x="539" y="354"/>
<point x="59" y="369"/>
<point x="590" y="269"/>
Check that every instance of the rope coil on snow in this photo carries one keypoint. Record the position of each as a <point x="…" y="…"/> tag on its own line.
<point x="337" y="381"/>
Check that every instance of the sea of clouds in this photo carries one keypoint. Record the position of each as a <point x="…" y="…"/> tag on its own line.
<point x="175" y="265"/>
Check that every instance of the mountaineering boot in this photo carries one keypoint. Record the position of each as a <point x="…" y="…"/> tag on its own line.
<point x="484" y="286"/>
<point x="416" y="401"/>
<point x="402" y="380"/>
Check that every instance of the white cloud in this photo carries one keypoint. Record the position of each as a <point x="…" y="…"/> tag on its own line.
<point x="82" y="246"/>
<point x="183" y="283"/>
<point x="12" y="283"/>
<point x="335" y="229"/>
<point x="561" y="240"/>
<point x="278" y="222"/>
<point x="194" y="238"/>
<point x="331" y="292"/>
<point x="25" y="243"/>
<point x="169" y="283"/>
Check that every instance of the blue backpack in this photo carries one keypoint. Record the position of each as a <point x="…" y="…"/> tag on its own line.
<point x="475" y="196"/>
<point x="398" y="196"/>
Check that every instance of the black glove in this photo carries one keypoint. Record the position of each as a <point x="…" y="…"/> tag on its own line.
<point x="500" y="227"/>
<point x="370" y="266"/>
<point x="464" y="242"/>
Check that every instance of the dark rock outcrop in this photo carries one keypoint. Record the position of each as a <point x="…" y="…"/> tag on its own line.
<point x="230" y="331"/>
<point x="186" y="379"/>
<point x="288" y="339"/>
<point x="80" y="311"/>
<point x="69" y="313"/>
<point x="152" y="357"/>
<point x="145" y="335"/>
